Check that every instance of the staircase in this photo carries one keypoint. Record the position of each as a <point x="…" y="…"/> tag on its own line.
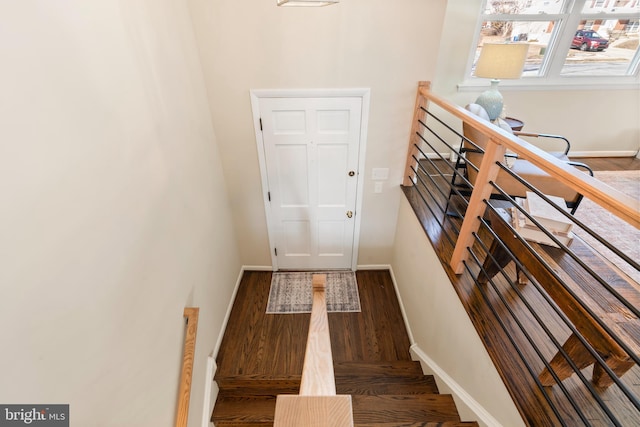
<point x="383" y="394"/>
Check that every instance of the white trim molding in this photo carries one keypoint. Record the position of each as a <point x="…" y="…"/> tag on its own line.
<point x="210" y="391"/>
<point x="461" y="395"/>
<point x="211" y="387"/>
<point x="603" y="153"/>
<point x="402" y="310"/>
<point x="230" y="306"/>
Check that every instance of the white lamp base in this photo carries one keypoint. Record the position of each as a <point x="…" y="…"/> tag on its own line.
<point x="491" y="100"/>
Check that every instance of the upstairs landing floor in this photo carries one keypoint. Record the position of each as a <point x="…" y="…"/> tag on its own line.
<point x="256" y="343"/>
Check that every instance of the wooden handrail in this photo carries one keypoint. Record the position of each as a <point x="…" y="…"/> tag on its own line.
<point x="317" y="372"/>
<point x="184" y="392"/>
<point x="499" y="141"/>
<point x="317" y="404"/>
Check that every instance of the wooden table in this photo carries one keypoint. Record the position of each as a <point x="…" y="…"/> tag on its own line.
<point x="615" y="315"/>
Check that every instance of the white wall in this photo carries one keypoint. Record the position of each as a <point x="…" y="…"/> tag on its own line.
<point x="114" y="212"/>
<point x="442" y="329"/>
<point x="594" y="120"/>
<point x="382" y="45"/>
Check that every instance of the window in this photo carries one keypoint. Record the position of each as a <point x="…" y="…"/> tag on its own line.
<point x="576" y="39"/>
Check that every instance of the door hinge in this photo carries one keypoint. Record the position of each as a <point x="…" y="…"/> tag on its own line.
<point x="269" y="195"/>
<point x="276" y="251"/>
<point x="260" y="123"/>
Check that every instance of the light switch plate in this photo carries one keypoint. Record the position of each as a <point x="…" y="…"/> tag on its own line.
<point x="380" y="174"/>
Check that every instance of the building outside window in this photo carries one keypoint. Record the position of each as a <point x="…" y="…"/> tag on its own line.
<point x="579" y="38"/>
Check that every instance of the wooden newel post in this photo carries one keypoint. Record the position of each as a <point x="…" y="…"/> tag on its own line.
<point x="414" y="140"/>
<point x="488" y="172"/>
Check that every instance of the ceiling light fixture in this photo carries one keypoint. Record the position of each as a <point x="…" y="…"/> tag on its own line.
<point x="308" y="3"/>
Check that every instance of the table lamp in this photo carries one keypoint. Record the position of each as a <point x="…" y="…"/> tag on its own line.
<point x="499" y="61"/>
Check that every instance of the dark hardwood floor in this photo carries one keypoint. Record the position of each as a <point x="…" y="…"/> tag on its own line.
<point x="256" y="343"/>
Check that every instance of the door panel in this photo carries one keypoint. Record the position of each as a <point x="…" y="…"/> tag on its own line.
<point x="293" y="171"/>
<point x="330" y="238"/>
<point x="310" y="146"/>
<point x="289" y="122"/>
<point x="332" y="181"/>
<point x="296" y="238"/>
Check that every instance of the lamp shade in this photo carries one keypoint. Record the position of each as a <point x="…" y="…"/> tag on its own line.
<point x="501" y="60"/>
<point x="309" y="3"/>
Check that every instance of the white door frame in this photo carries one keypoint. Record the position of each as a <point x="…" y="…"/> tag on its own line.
<point x="364" y="94"/>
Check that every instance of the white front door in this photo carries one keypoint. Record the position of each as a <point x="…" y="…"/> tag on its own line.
<point x="311" y="156"/>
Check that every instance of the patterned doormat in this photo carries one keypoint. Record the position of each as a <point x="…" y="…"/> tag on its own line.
<point x="291" y="292"/>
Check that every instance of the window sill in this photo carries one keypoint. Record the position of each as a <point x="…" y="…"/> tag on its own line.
<point x="561" y="83"/>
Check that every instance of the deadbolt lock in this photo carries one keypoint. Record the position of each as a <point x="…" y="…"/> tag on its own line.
<point x="351" y="173"/>
<point x="349" y="214"/>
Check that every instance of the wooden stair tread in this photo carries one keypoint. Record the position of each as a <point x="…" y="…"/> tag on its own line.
<point x="258" y="385"/>
<point x="389" y="368"/>
<point x="404" y="408"/>
<point x="421" y="424"/>
<point x="345" y="384"/>
<point x="238" y="410"/>
<point x="256" y="377"/>
<point x="367" y="410"/>
<point x="384" y="394"/>
<point x="370" y="385"/>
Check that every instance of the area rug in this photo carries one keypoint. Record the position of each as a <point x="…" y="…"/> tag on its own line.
<point x="618" y="232"/>
<point x="291" y="292"/>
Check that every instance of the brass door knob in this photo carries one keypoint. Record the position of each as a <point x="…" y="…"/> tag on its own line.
<point x="349" y="214"/>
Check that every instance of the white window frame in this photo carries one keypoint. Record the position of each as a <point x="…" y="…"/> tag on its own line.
<point x="550" y="76"/>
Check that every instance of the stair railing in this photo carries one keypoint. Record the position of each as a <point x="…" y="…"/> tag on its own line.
<point x="184" y="391"/>
<point x="317" y="404"/>
<point x="570" y="291"/>
<point x="500" y="141"/>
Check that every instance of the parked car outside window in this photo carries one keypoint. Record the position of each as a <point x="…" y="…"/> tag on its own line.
<point x="589" y="40"/>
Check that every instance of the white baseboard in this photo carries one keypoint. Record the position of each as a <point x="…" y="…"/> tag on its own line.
<point x="602" y="153"/>
<point x="402" y="310"/>
<point x="460" y="395"/>
<point x="214" y="387"/>
<point x="210" y="391"/>
<point x="233" y="298"/>
<point x="373" y="267"/>
<point x="395" y="286"/>
<point x="257" y="268"/>
<point x="228" y="313"/>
